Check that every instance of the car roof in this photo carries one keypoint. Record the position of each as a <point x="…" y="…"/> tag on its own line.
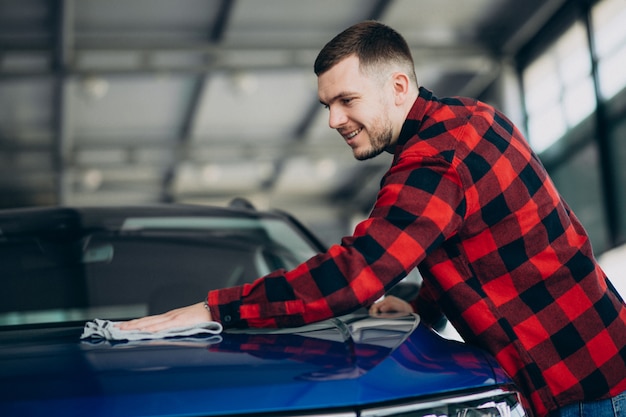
<point x="113" y="217"/>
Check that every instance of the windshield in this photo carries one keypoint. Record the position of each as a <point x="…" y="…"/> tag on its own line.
<point x="147" y="266"/>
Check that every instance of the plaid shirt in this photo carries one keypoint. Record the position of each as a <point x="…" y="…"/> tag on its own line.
<point x="502" y="255"/>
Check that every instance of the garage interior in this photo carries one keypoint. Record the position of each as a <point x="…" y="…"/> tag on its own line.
<point x="125" y="102"/>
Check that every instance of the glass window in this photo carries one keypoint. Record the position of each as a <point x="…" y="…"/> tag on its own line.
<point x="617" y="133"/>
<point x="148" y="266"/>
<point x="559" y="88"/>
<point x="581" y="172"/>
<point x="608" y="17"/>
<point x="579" y="101"/>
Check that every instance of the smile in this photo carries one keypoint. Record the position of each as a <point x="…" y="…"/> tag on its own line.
<point x="352" y="134"/>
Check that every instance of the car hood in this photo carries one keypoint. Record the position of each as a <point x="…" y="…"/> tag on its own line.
<point x="338" y="364"/>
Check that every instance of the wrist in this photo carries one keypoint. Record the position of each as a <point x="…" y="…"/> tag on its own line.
<point x="205" y="304"/>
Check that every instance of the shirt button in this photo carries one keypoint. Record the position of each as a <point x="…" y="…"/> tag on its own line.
<point x="227" y="319"/>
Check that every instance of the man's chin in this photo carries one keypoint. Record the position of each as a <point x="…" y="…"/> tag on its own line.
<point x="364" y="154"/>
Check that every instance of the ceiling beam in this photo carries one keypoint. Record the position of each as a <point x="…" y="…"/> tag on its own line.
<point x="528" y="29"/>
<point x="468" y="56"/>
<point x="190" y="119"/>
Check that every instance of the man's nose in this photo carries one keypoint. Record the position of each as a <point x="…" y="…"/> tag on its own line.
<point x="336" y="118"/>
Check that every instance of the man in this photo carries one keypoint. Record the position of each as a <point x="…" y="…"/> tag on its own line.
<point x="467" y="202"/>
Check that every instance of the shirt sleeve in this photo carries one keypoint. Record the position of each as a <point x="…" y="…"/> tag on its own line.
<point x="419" y="206"/>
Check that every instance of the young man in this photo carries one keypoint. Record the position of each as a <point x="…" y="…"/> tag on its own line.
<point x="467" y="202"/>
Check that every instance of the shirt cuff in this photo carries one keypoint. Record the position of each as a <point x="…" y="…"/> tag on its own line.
<point x="225" y="307"/>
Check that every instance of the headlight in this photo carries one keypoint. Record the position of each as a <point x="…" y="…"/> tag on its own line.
<point x="495" y="403"/>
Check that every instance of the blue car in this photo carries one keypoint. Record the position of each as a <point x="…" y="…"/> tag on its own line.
<point x="63" y="267"/>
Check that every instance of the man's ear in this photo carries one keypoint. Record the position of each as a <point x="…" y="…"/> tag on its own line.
<point x="401" y="87"/>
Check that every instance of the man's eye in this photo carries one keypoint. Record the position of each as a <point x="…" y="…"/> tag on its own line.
<point x="346" y="100"/>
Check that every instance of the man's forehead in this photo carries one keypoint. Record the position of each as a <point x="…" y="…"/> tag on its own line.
<point x="342" y="79"/>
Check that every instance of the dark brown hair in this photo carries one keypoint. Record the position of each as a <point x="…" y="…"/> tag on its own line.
<point x="375" y="44"/>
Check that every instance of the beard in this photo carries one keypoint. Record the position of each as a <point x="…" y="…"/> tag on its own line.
<point x="379" y="141"/>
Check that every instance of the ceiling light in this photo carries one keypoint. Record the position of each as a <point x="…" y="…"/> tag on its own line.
<point x="94" y="87"/>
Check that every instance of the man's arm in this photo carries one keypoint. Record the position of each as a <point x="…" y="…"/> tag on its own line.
<point x="420" y="205"/>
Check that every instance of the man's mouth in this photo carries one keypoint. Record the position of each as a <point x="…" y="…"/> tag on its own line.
<point x="352" y="134"/>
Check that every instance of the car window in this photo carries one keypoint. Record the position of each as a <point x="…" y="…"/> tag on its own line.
<point x="148" y="266"/>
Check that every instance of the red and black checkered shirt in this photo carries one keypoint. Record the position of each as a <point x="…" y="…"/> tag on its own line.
<point x="502" y="255"/>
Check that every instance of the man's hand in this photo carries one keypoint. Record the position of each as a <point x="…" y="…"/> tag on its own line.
<point x="180" y="317"/>
<point x="390" y="304"/>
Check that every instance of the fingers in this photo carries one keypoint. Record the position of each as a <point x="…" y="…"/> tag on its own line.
<point x="378" y="308"/>
<point x="391" y="304"/>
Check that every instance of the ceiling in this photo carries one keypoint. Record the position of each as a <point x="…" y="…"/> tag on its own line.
<point x="140" y="101"/>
